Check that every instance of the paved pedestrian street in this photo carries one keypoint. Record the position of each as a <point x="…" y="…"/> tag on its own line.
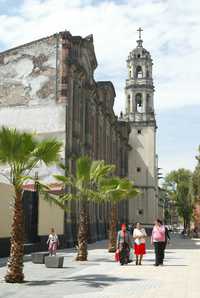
<point x="101" y="277"/>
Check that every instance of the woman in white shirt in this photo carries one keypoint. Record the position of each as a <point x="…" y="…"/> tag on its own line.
<point x="139" y="236"/>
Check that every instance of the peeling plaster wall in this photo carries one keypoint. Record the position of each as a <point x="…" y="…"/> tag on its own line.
<point x="28" y="89"/>
<point x="28" y="74"/>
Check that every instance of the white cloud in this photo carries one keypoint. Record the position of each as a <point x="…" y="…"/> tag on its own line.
<point x="171" y="32"/>
<point x="178" y="162"/>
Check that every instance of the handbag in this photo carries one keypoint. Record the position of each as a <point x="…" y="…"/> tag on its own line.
<point x="117" y="256"/>
<point x="131" y="255"/>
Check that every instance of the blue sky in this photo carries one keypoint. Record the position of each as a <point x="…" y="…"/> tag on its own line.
<point x="10" y="7"/>
<point x="178" y="137"/>
<point x="171" y="34"/>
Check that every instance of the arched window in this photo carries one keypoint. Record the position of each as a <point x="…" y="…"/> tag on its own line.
<point x="139" y="73"/>
<point x="148" y="103"/>
<point x="147" y="74"/>
<point x="139" y="103"/>
<point x="129" y="104"/>
<point x="130" y="73"/>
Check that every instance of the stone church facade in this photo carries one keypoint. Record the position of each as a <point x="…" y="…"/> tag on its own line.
<point x="48" y="86"/>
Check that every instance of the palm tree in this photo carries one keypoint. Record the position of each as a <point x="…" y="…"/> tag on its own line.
<point x="84" y="188"/>
<point x="114" y="190"/>
<point x="22" y="152"/>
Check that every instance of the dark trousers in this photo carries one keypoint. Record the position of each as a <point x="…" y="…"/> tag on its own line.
<point x="124" y="254"/>
<point x="159" y="252"/>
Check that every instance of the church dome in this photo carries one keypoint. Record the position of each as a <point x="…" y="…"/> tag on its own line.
<point x="139" y="52"/>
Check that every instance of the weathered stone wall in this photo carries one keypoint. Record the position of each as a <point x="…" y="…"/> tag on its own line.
<point x="28" y="74"/>
<point x="29" y="88"/>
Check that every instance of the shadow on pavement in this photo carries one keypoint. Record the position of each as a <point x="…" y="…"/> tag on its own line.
<point x="91" y="280"/>
<point x="104" y="260"/>
<point x="175" y="265"/>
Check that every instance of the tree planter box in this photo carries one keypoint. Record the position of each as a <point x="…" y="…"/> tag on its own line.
<point x="54" y="262"/>
<point x="38" y="257"/>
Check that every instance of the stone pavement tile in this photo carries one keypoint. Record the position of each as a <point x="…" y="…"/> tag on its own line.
<point x="101" y="277"/>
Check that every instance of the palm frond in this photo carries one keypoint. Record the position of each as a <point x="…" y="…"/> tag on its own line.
<point x="83" y="165"/>
<point x="93" y="182"/>
<point x="22" y="179"/>
<point x="48" y="151"/>
<point x="41" y="186"/>
<point x="94" y="196"/>
<point x="62" y="166"/>
<point x="115" y="189"/>
<point x="99" y="170"/>
<point x="66" y="180"/>
<point x="111" y="183"/>
<point x="54" y="200"/>
<point x="70" y="197"/>
<point x="15" y="146"/>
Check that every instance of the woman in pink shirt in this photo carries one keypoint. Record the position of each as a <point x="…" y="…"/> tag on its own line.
<point x="158" y="240"/>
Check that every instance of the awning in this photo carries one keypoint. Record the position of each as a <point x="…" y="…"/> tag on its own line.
<point x="53" y="187"/>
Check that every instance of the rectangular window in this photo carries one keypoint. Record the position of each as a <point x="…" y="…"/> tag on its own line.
<point x="64" y="79"/>
<point x="140" y="212"/>
<point x="139" y="131"/>
<point x="63" y="92"/>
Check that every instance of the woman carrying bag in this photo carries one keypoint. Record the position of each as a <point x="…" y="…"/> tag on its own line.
<point x="124" y="244"/>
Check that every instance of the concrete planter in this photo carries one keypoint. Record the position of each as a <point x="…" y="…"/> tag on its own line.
<point x="38" y="257"/>
<point x="54" y="262"/>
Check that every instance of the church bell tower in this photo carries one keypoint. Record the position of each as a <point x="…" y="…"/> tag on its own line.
<point x="139" y="112"/>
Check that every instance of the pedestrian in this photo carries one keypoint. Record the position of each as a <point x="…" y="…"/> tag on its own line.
<point x="130" y="229"/>
<point x="158" y="240"/>
<point x="139" y="236"/>
<point x="167" y="236"/>
<point x="124" y="243"/>
<point x="53" y="242"/>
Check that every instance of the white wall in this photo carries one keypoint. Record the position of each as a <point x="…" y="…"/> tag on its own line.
<point x="6" y="203"/>
<point x="50" y="216"/>
<point x="40" y="119"/>
<point x="143" y="155"/>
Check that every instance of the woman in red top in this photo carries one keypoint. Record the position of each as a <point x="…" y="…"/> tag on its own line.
<point x="124" y="244"/>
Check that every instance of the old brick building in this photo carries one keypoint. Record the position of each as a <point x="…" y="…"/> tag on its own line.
<point x="48" y="86"/>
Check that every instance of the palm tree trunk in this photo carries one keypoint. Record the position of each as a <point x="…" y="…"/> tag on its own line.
<point x="82" y="233"/>
<point x="184" y="225"/>
<point x="15" y="262"/>
<point x="112" y="228"/>
<point x="188" y="228"/>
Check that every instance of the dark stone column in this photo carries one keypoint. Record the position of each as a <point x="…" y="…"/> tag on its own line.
<point x="30" y="207"/>
<point x="92" y="224"/>
<point x="5" y="247"/>
<point x="68" y="236"/>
